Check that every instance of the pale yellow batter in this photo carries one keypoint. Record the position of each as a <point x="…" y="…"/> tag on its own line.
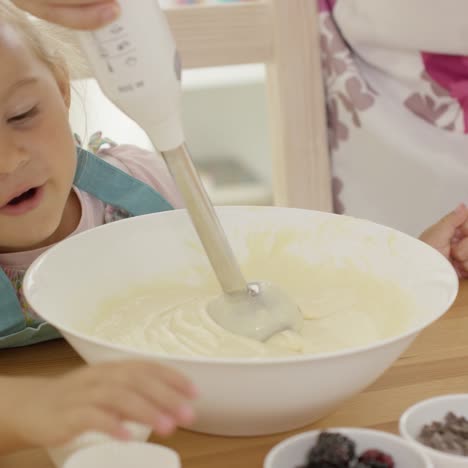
<point x="343" y="307"/>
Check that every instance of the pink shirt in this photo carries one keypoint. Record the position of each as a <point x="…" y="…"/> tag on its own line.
<point x="143" y="165"/>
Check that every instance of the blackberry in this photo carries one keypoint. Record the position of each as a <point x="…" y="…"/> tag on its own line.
<point x="376" y="459"/>
<point x="324" y="465"/>
<point x="332" y="450"/>
<point x="370" y="464"/>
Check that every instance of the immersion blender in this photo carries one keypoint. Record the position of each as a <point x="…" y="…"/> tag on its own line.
<point x="136" y="64"/>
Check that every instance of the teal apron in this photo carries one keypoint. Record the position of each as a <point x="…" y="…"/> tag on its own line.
<point x="106" y="183"/>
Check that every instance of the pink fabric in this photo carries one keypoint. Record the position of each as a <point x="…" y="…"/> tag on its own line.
<point x="451" y="73"/>
<point x="143" y="165"/>
<point x="397" y="118"/>
<point x="326" y="5"/>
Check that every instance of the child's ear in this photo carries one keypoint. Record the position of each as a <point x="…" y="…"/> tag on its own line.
<point x="63" y="81"/>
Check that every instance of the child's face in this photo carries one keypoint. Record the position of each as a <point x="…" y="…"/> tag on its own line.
<point x="37" y="151"/>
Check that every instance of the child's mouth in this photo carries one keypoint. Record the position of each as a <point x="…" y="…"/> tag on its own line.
<point x="31" y="193"/>
<point x="23" y="203"/>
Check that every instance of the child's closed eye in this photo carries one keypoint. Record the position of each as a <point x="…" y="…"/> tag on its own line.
<point x="24" y="116"/>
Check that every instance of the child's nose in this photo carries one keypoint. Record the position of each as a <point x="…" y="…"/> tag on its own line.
<point x="12" y="160"/>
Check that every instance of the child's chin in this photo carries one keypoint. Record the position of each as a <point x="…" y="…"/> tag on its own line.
<point x="38" y="239"/>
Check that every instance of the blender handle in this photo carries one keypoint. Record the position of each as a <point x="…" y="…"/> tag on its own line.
<point x="136" y="64"/>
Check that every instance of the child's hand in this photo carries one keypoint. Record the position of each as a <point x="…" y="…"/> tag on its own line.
<point x="450" y="237"/>
<point x="76" y="14"/>
<point x="51" y="411"/>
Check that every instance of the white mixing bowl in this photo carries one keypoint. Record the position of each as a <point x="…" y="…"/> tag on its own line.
<point x="241" y="397"/>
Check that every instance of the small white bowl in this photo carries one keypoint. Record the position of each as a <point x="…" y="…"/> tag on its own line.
<point x="293" y="451"/>
<point x="124" y="455"/>
<point x="427" y="411"/>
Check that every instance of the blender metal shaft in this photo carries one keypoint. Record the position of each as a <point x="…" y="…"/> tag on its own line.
<point x="205" y="220"/>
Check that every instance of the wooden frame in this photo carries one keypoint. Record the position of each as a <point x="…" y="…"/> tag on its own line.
<point x="283" y="34"/>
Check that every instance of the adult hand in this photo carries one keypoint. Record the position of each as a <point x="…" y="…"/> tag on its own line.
<point x="76" y="14"/>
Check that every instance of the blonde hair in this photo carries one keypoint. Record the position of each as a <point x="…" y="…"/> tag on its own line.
<point x="51" y="44"/>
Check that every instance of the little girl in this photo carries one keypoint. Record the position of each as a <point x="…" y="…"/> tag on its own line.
<point x="50" y="190"/>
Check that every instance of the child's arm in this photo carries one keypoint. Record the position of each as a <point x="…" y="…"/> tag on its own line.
<point x="49" y="412"/>
<point x="450" y="237"/>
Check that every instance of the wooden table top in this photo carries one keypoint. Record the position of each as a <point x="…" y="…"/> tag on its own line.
<point x="437" y="363"/>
